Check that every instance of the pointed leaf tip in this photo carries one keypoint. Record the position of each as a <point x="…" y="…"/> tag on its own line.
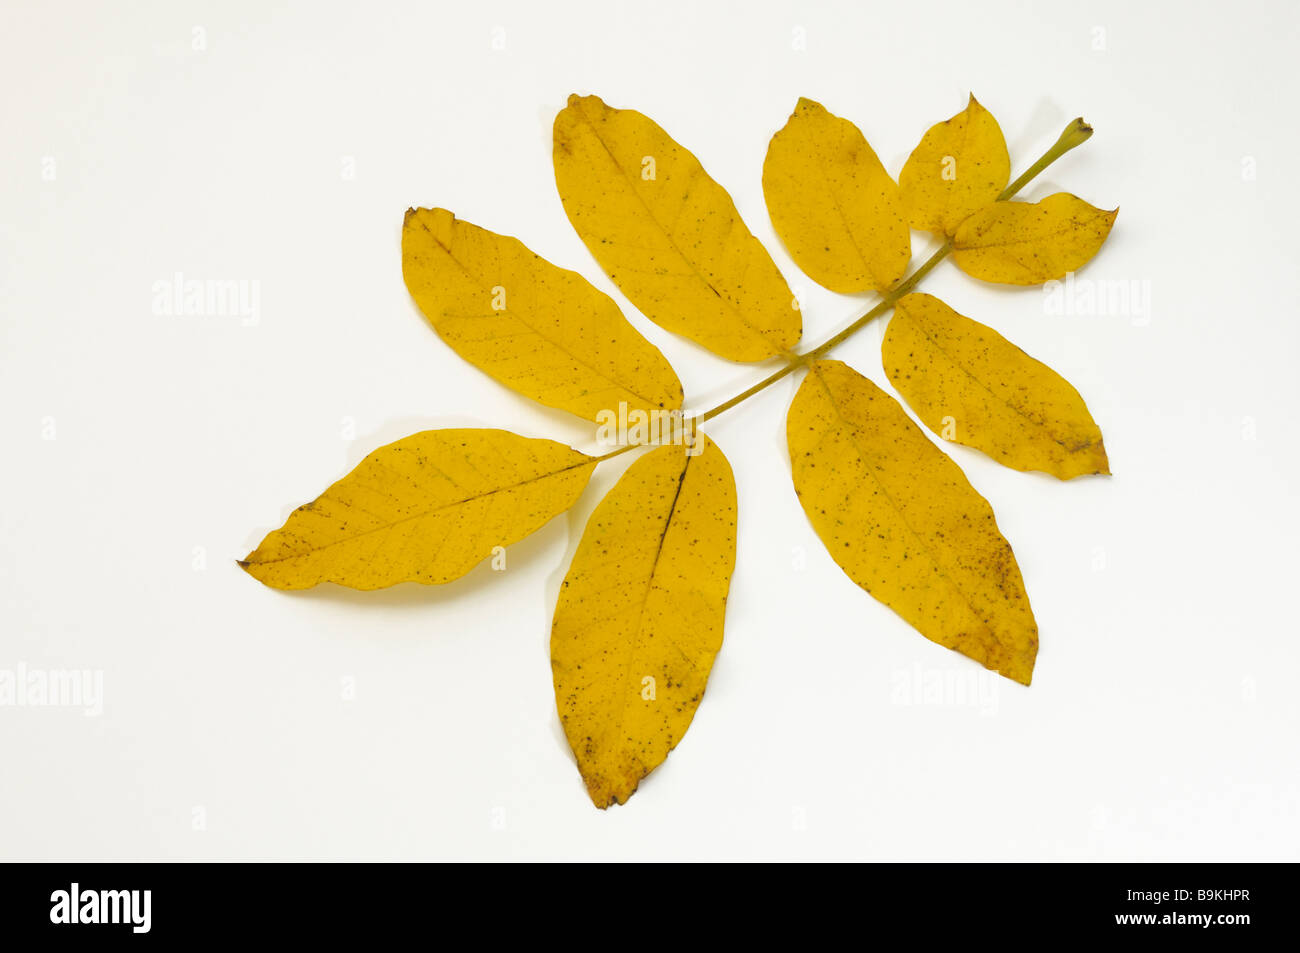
<point x="640" y="615"/>
<point x="1020" y="243"/>
<point x="972" y="386"/>
<point x="668" y="235"/>
<point x="837" y="210"/>
<point x="540" y="330"/>
<point x="961" y="165"/>
<point x="903" y="522"/>
<point x="427" y="508"/>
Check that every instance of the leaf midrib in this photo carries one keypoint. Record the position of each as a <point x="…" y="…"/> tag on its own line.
<point x="635" y="644"/>
<point x="649" y="402"/>
<point x="997" y="397"/>
<point x="588" y="461"/>
<point x="776" y="346"/>
<point x="929" y="550"/>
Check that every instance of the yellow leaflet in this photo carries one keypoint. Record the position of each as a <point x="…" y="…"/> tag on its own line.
<point x="668" y="235"/>
<point x="900" y="518"/>
<point x="835" y="207"/>
<point x="639" y="618"/>
<point x="960" y="166"/>
<point x="540" y="330"/>
<point x="1017" y="243"/>
<point x="427" y="508"/>
<point x="970" y="385"/>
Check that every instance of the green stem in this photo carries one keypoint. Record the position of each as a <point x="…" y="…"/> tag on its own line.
<point x="799" y="360"/>
<point x="1075" y="134"/>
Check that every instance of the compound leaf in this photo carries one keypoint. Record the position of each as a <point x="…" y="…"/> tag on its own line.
<point x="668" y="235"/>
<point x="427" y="508"/>
<point x="835" y="207"/>
<point x="640" y="614"/>
<point x="1019" y="243"/>
<point x="960" y="166"/>
<point x="902" y="521"/>
<point x="538" y="329"/>
<point x="971" y="385"/>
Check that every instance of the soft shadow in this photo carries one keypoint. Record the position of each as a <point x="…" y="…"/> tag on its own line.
<point x="1045" y="124"/>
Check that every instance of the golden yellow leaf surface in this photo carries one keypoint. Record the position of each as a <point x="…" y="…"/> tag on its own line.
<point x="971" y="385"/>
<point x="1019" y="243"/>
<point x="835" y="207"/>
<point x="427" y="508"/>
<point x="639" y="617"/>
<point x="668" y="235"/>
<point x="960" y="166"/>
<point x="538" y="329"/>
<point x="903" y="522"/>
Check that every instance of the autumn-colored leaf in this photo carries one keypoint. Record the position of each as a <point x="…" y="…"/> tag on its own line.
<point x="427" y="508"/>
<point x="668" y="235"/>
<point x="1018" y="243"/>
<point x="960" y="166"/>
<point x="538" y="329"/>
<point x="835" y="207"/>
<point x="903" y="522"/>
<point x="639" y="618"/>
<point x="972" y="386"/>
<point x="640" y="614"/>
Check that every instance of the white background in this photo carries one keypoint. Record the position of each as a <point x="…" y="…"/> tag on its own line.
<point x="1162" y="719"/>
